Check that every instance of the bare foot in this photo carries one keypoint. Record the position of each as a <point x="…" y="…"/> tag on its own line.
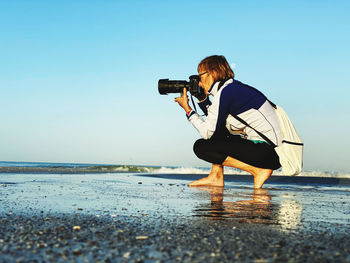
<point x="215" y="177"/>
<point x="208" y="181"/>
<point x="260" y="176"/>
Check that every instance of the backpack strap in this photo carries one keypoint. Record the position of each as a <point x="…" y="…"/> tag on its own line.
<point x="261" y="135"/>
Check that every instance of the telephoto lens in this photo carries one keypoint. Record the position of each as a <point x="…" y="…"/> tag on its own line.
<point x="166" y="86"/>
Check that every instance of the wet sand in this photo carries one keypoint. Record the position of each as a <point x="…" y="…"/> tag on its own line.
<point x="157" y="218"/>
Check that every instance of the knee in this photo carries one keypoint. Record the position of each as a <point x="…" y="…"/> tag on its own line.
<point x="198" y="147"/>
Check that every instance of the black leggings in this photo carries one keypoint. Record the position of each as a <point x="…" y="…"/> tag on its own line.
<point x="256" y="154"/>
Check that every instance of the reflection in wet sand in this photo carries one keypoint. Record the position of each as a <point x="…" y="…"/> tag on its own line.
<point x="258" y="209"/>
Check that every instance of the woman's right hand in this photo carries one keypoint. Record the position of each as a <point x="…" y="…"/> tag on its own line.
<point x="183" y="101"/>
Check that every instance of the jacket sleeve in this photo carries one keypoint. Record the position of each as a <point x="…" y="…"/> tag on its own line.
<point x="207" y="127"/>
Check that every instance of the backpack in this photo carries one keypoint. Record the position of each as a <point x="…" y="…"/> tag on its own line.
<point x="290" y="152"/>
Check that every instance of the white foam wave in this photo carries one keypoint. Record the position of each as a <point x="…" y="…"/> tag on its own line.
<point x="228" y="170"/>
<point x="193" y="170"/>
<point x="318" y="174"/>
<point x="325" y="174"/>
<point x="181" y="170"/>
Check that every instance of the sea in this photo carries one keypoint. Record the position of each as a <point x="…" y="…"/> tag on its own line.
<point x="52" y="167"/>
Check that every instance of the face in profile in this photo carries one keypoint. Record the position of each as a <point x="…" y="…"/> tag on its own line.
<point x="206" y="80"/>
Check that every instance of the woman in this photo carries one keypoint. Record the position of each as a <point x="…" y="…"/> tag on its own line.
<point x="226" y="141"/>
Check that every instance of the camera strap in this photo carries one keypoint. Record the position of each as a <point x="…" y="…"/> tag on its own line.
<point x="194" y="105"/>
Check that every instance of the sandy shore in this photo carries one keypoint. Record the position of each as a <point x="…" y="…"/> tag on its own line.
<point x="135" y="218"/>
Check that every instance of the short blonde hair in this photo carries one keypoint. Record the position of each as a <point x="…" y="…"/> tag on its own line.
<point x="217" y="66"/>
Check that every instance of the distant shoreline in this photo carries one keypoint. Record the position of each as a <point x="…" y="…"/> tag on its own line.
<point x="90" y="168"/>
<point x="60" y="170"/>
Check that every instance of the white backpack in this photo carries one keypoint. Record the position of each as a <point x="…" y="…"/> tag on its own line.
<point x="290" y="152"/>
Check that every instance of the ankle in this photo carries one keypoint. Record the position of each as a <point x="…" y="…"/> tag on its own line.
<point x="216" y="176"/>
<point x="217" y="169"/>
<point x="258" y="171"/>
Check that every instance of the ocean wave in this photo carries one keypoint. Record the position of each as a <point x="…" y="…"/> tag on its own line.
<point x="233" y="171"/>
<point x="194" y="170"/>
<point x="325" y="174"/>
<point x="181" y="170"/>
<point x="228" y="170"/>
<point x="9" y="167"/>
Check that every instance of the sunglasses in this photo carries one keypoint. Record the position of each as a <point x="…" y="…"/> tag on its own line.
<point x="200" y="75"/>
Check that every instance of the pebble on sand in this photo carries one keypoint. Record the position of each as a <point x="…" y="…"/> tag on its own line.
<point x="141" y="237"/>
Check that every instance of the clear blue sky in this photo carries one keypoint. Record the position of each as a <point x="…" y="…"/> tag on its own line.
<point x="79" y="79"/>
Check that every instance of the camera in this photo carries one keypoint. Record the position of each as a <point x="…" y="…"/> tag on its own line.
<point x="166" y="86"/>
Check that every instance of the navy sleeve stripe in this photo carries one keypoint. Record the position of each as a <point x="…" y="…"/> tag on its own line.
<point x="191" y="113"/>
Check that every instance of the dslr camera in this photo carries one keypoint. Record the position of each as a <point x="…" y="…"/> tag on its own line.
<point x="166" y="86"/>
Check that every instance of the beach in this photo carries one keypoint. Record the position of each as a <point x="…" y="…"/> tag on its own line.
<point x="135" y="217"/>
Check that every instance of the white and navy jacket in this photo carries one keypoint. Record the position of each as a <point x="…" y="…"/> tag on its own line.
<point x="232" y="97"/>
